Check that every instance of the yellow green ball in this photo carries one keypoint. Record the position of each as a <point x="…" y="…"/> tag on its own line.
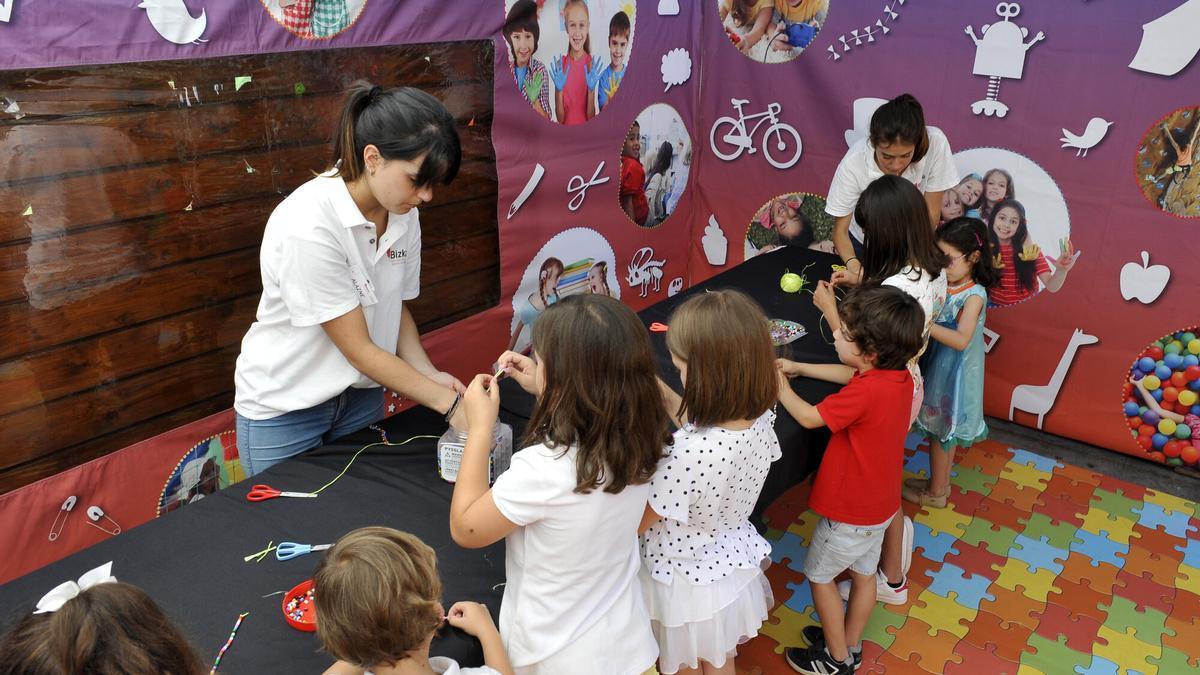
<point x="791" y="282"/>
<point x="1166" y="427"/>
<point x="1151" y="382"/>
<point x="1188" y="397"/>
<point x="1194" y="346"/>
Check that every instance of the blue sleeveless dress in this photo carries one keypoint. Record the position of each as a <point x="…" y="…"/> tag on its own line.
<point x="952" y="410"/>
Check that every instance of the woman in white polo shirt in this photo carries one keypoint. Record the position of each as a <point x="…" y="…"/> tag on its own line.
<point x="340" y="256"/>
<point x="898" y="144"/>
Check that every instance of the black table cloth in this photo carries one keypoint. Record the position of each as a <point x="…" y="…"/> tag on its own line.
<point x="191" y="560"/>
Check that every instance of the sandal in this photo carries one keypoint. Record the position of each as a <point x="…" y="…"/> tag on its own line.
<point x="923" y="498"/>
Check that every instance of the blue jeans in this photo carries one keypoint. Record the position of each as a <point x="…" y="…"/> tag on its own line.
<point x="264" y="443"/>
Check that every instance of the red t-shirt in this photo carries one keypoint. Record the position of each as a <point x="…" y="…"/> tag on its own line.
<point x="633" y="176"/>
<point x="859" y="479"/>
<point x="1010" y="290"/>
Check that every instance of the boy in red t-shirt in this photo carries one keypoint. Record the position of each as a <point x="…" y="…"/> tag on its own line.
<point x="857" y="489"/>
<point x="633" y="177"/>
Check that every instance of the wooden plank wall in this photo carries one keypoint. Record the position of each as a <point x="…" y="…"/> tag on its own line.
<point x="132" y="204"/>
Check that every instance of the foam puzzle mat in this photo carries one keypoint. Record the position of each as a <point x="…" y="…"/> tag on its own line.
<point x="1035" y="566"/>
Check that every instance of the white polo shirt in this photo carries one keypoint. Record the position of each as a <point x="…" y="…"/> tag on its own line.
<point x="319" y="260"/>
<point x="935" y="172"/>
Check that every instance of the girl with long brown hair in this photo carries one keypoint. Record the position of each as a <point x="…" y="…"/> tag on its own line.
<point x="569" y="506"/>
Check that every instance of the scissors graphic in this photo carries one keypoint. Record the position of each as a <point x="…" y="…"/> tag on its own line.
<point x="290" y="549"/>
<point x="579" y="186"/>
<point x="260" y="493"/>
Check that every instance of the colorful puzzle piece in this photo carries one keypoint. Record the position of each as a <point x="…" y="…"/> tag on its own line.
<point x="1099" y="548"/>
<point x="1125" y="649"/>
<point x="969" y="589"/>
<point x="1026" y="475"/>
<point x="1172" y="522"/>
<point x="972" y="480"/>
<point x="1039" y="554"/>
<point x="1033" y="584"/>
<point x="932" y="546"/>
<point x="943" y="613"/>
<point x="1053" y="656"/>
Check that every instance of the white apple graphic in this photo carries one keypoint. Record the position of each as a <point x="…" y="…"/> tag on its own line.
<point x="1144" y="282"/>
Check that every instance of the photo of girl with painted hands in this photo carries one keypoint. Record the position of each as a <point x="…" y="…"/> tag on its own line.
<point x="340" y="258"/>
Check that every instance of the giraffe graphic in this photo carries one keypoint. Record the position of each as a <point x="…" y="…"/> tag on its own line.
<point x="1037" y="400"/>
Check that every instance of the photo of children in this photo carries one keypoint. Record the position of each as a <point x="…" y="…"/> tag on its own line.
<point x="656" y="159"/>
<point x="1026" y="218"/>
<point x="1163" y="164"/>
<point x="568" y="57"/>
<point x="1161" y="400"/>
<point x="578" y="260"/>
<point x="315" y="19"/>
<point x="772" y="31"/>
<point x="791" y="219"/>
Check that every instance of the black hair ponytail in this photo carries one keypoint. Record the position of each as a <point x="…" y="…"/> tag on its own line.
<point x="404" y="123"/>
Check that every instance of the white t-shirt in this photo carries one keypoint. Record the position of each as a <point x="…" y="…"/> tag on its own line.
<point x="705" y="491"/>
<point x="319" y="260"/>
<point x="935" y="172"/>
<point x="443" y="665"/>
<point x="572" y="602"/>
<point x="930" y="293"/>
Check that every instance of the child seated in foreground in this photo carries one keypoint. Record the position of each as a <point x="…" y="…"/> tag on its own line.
<point x="377" y="593"/>
<point x="98" y="625"/>
<point x="857" y="488"/>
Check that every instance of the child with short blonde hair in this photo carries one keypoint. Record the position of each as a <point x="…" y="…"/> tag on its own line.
<point x="378" y="596"/>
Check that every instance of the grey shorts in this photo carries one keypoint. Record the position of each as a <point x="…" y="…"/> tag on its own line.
<point x="837" y="547"/>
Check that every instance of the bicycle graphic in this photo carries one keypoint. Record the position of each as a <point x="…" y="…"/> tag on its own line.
<point x="737" y="140"/>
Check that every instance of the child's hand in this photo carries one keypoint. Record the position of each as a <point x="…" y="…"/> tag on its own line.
<point x="558" y="74"/>
<point x="533" y="85"/>
<point x="824" y="298"/>
<point x="846" y="277"/>
<point x="1068" y="256"/>
<point x="788" y="367"/>
<point x="482" y="404"/>
<point x="593" y="75"/>
<point x="1030" y="251"/>
<point x="520" y="368"/>
<point x="472" y="617"/>
<point x="785" y="385"/>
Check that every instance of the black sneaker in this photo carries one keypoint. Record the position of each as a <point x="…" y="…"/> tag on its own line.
<point x="815" y="661"/>
<point x="814" y="636"/>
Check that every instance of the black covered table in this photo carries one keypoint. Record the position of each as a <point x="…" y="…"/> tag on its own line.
<point x="190" y="560"/>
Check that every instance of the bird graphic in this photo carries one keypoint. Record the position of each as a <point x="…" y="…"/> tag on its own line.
<point x="174" y="22"/>
<point x="1097" y="129"/>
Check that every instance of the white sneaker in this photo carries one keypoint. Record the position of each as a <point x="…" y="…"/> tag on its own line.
<point x="883" y="592"/>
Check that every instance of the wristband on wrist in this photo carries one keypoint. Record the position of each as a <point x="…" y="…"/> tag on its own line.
<point x="453" y="406"/>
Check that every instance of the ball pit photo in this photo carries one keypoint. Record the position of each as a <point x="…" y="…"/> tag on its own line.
<point x="1161" y="399"/>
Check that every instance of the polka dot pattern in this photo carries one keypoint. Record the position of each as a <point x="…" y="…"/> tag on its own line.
<point x="705" y="490"/>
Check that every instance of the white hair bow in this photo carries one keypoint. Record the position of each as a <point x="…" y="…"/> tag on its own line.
<point x="60" y="594"/>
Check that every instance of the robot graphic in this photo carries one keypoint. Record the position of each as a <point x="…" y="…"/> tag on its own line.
<point x="1000" y="53"/>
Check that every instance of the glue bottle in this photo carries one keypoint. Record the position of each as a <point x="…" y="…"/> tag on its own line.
<point x="450" y="451"/>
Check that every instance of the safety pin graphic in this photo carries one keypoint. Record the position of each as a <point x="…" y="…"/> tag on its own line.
<point x="95" y="513"/>
<point x="580" y="187"/>
<point x="60" y="518"/>
<point x="530" y="186"/>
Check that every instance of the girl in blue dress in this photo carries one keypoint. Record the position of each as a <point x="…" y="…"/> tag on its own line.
<point x="951" y="413"/>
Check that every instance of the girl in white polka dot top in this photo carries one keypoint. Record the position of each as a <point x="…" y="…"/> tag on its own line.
<point x="702" y="560"/>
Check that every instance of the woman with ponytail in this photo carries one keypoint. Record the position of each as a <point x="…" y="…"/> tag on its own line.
<point x="340" y="257"/>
